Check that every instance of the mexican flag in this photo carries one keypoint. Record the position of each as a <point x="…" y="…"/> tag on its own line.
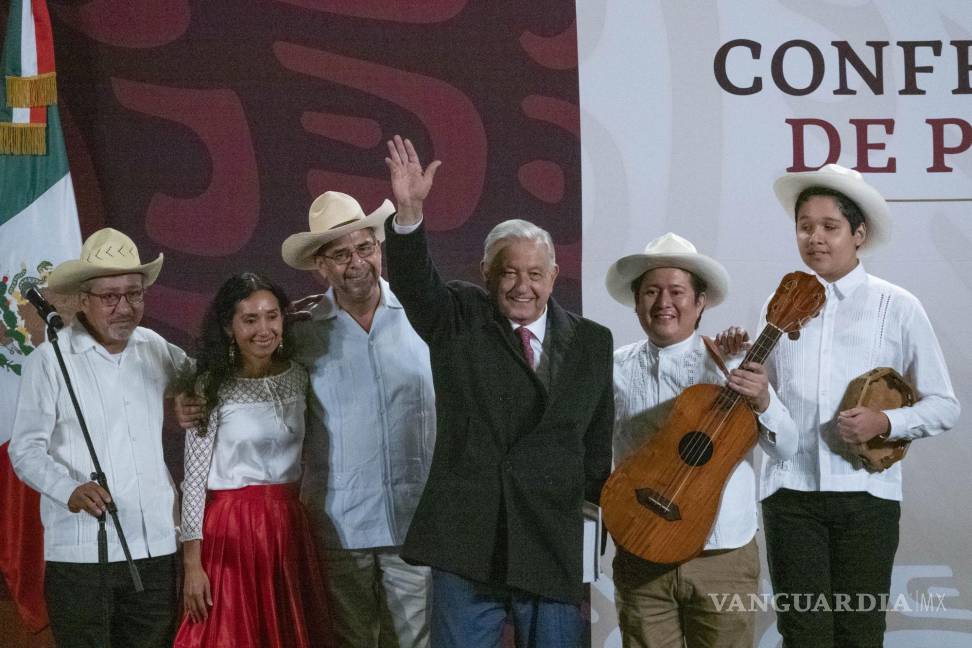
<point x="38" y="229"/>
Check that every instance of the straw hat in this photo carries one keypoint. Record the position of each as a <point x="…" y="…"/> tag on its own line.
<point x="877" y="216"/>
<point x="332" y="215"/>
<point x="667" y="251"/>
<point x="105" y="253"/>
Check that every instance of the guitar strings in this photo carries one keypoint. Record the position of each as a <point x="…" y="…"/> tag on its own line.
<point x="724" y="406"/>
<point x="728" y="398"/>
<point x="716" y="418"/>
<point x="762" y="347"/>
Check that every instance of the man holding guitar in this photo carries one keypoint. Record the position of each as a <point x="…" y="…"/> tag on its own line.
<point x="669" y="605"/>
<point x="832" y="525"/>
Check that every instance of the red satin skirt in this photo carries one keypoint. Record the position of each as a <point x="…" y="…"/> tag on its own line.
<point x="267" y="588"/>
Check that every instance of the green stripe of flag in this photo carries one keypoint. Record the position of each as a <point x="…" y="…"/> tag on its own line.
<point x="12" y="64"/>
<point x="24" y="178"/>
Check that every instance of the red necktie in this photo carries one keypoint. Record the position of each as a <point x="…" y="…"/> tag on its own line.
<point x="525" y="336"/>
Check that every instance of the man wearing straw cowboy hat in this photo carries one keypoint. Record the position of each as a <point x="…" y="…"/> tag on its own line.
<point x="119" y="372"/>
<point x="832" y="526"/>
<point x="669" y="285"/>
<point x="372" y="427"/>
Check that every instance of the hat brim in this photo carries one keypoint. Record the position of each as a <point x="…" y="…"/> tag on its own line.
<point x="627" y="269"/>
<point x="67" y="277"/>
<point x="298" y="250"/>
<point x="877" y="216"/>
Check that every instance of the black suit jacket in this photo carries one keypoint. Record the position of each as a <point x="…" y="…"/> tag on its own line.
<point x="513" y="460"/>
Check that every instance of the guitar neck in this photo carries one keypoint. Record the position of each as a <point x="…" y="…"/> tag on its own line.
<point x="764" y="344"/>
<point x="757" y="353"/>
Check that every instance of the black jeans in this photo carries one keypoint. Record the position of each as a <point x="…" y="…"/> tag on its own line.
<point x="82" y="618"/>
<point x="830" y="558"/>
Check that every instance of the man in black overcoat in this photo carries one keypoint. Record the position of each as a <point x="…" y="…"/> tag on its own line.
<point x="525" y="408"/>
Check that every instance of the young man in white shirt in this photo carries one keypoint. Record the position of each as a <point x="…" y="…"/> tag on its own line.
<point x="119" y="372"/>
<point x="660" y="606"/>
<point x="831" y="525"/>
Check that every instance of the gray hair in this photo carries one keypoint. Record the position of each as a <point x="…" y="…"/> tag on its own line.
<point x="515" y="228"/>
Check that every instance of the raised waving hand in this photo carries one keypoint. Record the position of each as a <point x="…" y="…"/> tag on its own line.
<point x="410" y="182"/>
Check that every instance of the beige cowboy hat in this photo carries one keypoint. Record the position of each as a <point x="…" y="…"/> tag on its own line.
<point x="105" y="253"/>
<point x="667" y="251"/>
<point x="877" y="216"/>
<point x="332" y="215"/>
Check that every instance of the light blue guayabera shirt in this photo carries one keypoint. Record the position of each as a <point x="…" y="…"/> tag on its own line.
<point x="371" y="423"/>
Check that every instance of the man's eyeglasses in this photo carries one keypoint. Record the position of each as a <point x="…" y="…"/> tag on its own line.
<point x="110" y="299"/>
<point x="344" y="255"/>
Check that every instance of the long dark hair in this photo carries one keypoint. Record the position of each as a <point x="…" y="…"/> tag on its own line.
<point x="213" y="364"/>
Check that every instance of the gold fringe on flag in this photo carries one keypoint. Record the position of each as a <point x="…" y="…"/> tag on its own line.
<point x="27" y="92"/>
<point x="23" y="139"/>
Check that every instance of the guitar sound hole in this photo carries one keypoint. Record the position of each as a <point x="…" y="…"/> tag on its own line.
<point x="695" y="448"/>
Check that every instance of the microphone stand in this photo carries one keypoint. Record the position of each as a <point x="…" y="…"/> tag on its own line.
<point x="54" y="322"/>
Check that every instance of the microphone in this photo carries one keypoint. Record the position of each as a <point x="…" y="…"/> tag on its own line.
<point x="47" y="312"/>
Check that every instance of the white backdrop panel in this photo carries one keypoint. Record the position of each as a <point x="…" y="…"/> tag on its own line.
<point x="667" y="148"/>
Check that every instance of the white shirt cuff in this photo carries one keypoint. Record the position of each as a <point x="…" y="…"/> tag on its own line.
<point x="404" y="229"/>
<point x="62" y="490"/>
<point x="899" y="424"/>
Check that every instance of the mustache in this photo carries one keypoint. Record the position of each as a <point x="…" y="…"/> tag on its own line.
<point x="365" y="274"/>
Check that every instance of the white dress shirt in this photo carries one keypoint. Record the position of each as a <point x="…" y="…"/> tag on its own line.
<point x="121" y="397"/>
<point x="647" y="379"/>
<point x="254" y="437"/>
<point x="538" y="329"/>
<point x="866" y="323"/>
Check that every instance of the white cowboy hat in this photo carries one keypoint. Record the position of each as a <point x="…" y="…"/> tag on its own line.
<point x="332" y="215"/>
<point x="667" y="251"/>
<point x="877" y="216"/>
<point x="105" y="253"/>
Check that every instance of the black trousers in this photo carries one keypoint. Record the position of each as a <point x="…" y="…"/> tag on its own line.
<point x="82" y="618"/>
<point x="830" y="558"/>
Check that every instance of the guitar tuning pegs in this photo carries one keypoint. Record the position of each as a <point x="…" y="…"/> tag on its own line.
<point x="793" y="335"/>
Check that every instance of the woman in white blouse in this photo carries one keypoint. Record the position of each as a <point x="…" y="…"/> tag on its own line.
<point x="251" y="574"/>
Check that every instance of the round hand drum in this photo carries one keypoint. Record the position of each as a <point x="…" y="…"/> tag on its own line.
<point x="879" y="389"/>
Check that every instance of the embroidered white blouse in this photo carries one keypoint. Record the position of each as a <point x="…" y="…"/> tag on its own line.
<point x="254" y="436"/>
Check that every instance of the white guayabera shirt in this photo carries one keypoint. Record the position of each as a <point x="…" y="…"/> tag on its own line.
<point x="121" y="397"/>
<point x="370" y="425"/>
<point x="866" y="323"/>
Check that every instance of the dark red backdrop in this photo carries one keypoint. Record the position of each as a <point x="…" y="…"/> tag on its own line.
<point x="204" y="130"/>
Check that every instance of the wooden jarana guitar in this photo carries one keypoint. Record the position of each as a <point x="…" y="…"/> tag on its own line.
<point x="661" y="502"/>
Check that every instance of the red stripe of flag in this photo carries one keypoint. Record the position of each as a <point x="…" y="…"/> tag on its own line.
<point x="38" y="115"/>
<point x="22" y="545"/>
<point x="43" y="37"/>
<point x="44" y="44"/>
